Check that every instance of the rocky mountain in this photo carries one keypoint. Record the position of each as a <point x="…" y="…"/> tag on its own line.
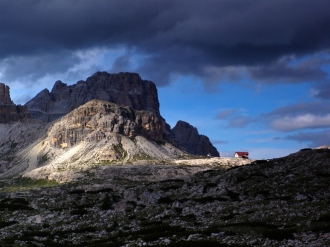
<point x="123" y="89"/>
<point x="94" y="134"/>
<point x="9" y="112"/>
<point x="280" y="202"/>
<point x="191" y="141"/>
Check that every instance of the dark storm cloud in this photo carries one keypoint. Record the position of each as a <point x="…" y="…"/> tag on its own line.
<point x="176" y="36"/>
<point x="314" y="139"/>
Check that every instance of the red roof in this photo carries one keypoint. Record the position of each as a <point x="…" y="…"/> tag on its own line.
<point x="242" y="153"/>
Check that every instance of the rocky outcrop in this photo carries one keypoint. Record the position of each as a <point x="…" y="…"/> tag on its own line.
<point x="191" y="141"/>
<point x="9" y="112"/>
<point x="94" y="119"/>
<point x="4" y="95"/>
<point x="123" y="89"/>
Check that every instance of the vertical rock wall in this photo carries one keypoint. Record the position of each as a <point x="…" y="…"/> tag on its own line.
<point x="9" y="112"/>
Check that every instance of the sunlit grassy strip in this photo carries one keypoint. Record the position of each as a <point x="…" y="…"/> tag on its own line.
<point x="21" y="184"/>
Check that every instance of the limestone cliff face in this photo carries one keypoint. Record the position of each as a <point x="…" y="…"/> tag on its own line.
<point x="91" y="122"/>
<point x="191" y="141"/>
<point x="9" y="112"/>
<point x="123" y="89"/>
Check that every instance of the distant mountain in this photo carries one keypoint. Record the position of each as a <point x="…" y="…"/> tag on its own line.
<point x="123" y="89"/>
<point x="191" y="141"/>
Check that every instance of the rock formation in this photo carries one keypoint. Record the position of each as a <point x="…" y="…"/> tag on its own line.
<point x="9" y="112"/>
<point x="123" y="89"/>
<point x="191" y="141"/>
<point x="94" y="119"/>
<point x="96" y="133"/>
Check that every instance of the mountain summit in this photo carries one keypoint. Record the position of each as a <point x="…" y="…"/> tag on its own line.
<point x="125" y="90"/>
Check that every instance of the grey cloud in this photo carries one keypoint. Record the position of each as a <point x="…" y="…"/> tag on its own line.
<point x="316" y="108"/>
<point x="304" y="115"/>
<point x="224" y="114"/>
<point x="239" y="121"/>
<point x="282" y="71"/>
<point x="121" y="63"/>
<point x="176" y="36"/>
<point x="322" y="91"/>
<point x="22" y="99"/>
<point x="234" y="118"/>
<point x="31" y="68"/>
<point x="313" y="139"/>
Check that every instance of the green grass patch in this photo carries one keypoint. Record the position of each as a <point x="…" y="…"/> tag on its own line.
<point x="21" y="184"/>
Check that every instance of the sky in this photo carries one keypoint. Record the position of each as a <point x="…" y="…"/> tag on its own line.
<point x="251" y="75"/>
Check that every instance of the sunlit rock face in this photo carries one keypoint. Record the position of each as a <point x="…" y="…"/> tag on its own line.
<point x="123" y="89"/>
<point x="94" y="119"/>
<point x="9" y="112"/>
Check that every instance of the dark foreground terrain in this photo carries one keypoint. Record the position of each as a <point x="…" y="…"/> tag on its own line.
<point x="282" y="202"/>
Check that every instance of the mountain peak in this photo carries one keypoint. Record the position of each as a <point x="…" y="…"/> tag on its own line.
<point x="5" y="95"/>
<point x="191" y="141"/>
<point x="124" y="89"/>
<point x="58" y="86"/>
<point x="9" y="112"/>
